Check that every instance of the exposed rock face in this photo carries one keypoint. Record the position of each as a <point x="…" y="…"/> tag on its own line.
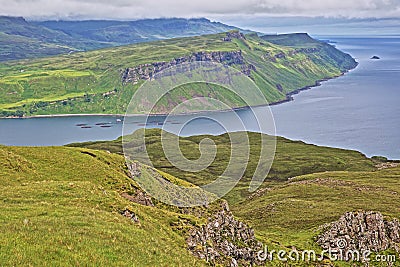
<point x="233" y="35"/>
<point x="273" y="57"/>
<point x="279" y="87"/>
<point x="135" y="169"/>
<point x="280" y="55"/>
<point x="147" y="71"/>
<point x="309" y="50"/>
<point x="225" y="240"/>
<point x="361" y="231"/>
<point x="387" y="165"/>
<point x="130" y="214"/>
<point x="140" y="197"/>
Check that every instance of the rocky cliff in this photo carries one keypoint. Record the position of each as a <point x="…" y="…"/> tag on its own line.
<point x="233" y="35"/>
<point x="147" y="71"/>
<point x="361" y="231"/>
<point x="225" y="240"/>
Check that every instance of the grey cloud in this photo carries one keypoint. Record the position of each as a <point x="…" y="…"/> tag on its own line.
<point x="131" y="9"/>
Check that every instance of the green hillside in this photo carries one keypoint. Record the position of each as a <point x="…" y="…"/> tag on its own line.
<point x="21" y="39"/>
<point x="292" y="213"/>
<point x="112" y="32"/>
<point x="308" y="186"/>
<point x="292" y="158"/>
<point x="92" y="82"/>
<point x="62" y="205"/>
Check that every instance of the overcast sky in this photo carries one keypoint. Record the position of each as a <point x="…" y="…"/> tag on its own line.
<point x="132" y="9"/>
<point x="316" y="16"/>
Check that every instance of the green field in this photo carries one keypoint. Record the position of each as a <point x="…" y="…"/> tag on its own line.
<point x="61" y="205"/>
<point x="307" y="186"/>
<point x="90" y="82"/>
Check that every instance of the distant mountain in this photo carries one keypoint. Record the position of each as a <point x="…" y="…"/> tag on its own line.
<point x="21" y="39"/>
<point x="127" y="32"/>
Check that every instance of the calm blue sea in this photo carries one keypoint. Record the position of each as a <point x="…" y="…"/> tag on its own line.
<point x="360" y="110"/>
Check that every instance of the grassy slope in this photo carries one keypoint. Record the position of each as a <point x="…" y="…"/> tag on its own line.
<point x="75" y="83"/>
<point x="325" y="183"/>
<point x="66" y="211"/>
<point x="94" y="72"/>
<point x="291" y="213"/>
<point x="292" y="158"/>
<point x="61" y="207"/>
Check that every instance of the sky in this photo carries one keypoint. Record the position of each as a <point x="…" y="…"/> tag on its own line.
<point x="318" y="16"/>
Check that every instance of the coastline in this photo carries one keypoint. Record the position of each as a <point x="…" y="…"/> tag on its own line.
<point x="289" y="98"/>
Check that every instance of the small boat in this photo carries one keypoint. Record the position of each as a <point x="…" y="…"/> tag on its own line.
<point x="102" y="123"/>
<point x="86" y="127"/>
<point x="105" y="126"/>
<point x="81" y="124"/>
<point x="119" y="120"/>
<point x="160" y="123"/>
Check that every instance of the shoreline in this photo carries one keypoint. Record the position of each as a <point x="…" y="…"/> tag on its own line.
<point x="289" y="98"/>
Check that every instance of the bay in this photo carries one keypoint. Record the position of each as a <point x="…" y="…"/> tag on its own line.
<point x="359" y="110"/>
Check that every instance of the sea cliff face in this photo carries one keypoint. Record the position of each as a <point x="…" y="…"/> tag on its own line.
<point x="148" y="71"/>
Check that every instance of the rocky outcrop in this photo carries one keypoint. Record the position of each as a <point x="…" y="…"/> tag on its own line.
<point x="233" y="35"/>
<point x="387" y="165"/>
<point x="135" y="169"/>
<point x="128" y="213"/>
<point x="147" y="71"/>
<point x="361" y="231"/>
<point x="279" y="87"/>
<point x="225" y="240"/>
<point x="308" y="50"/>
<point x="281" y="55"/>
<point x="139" y="196"/>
